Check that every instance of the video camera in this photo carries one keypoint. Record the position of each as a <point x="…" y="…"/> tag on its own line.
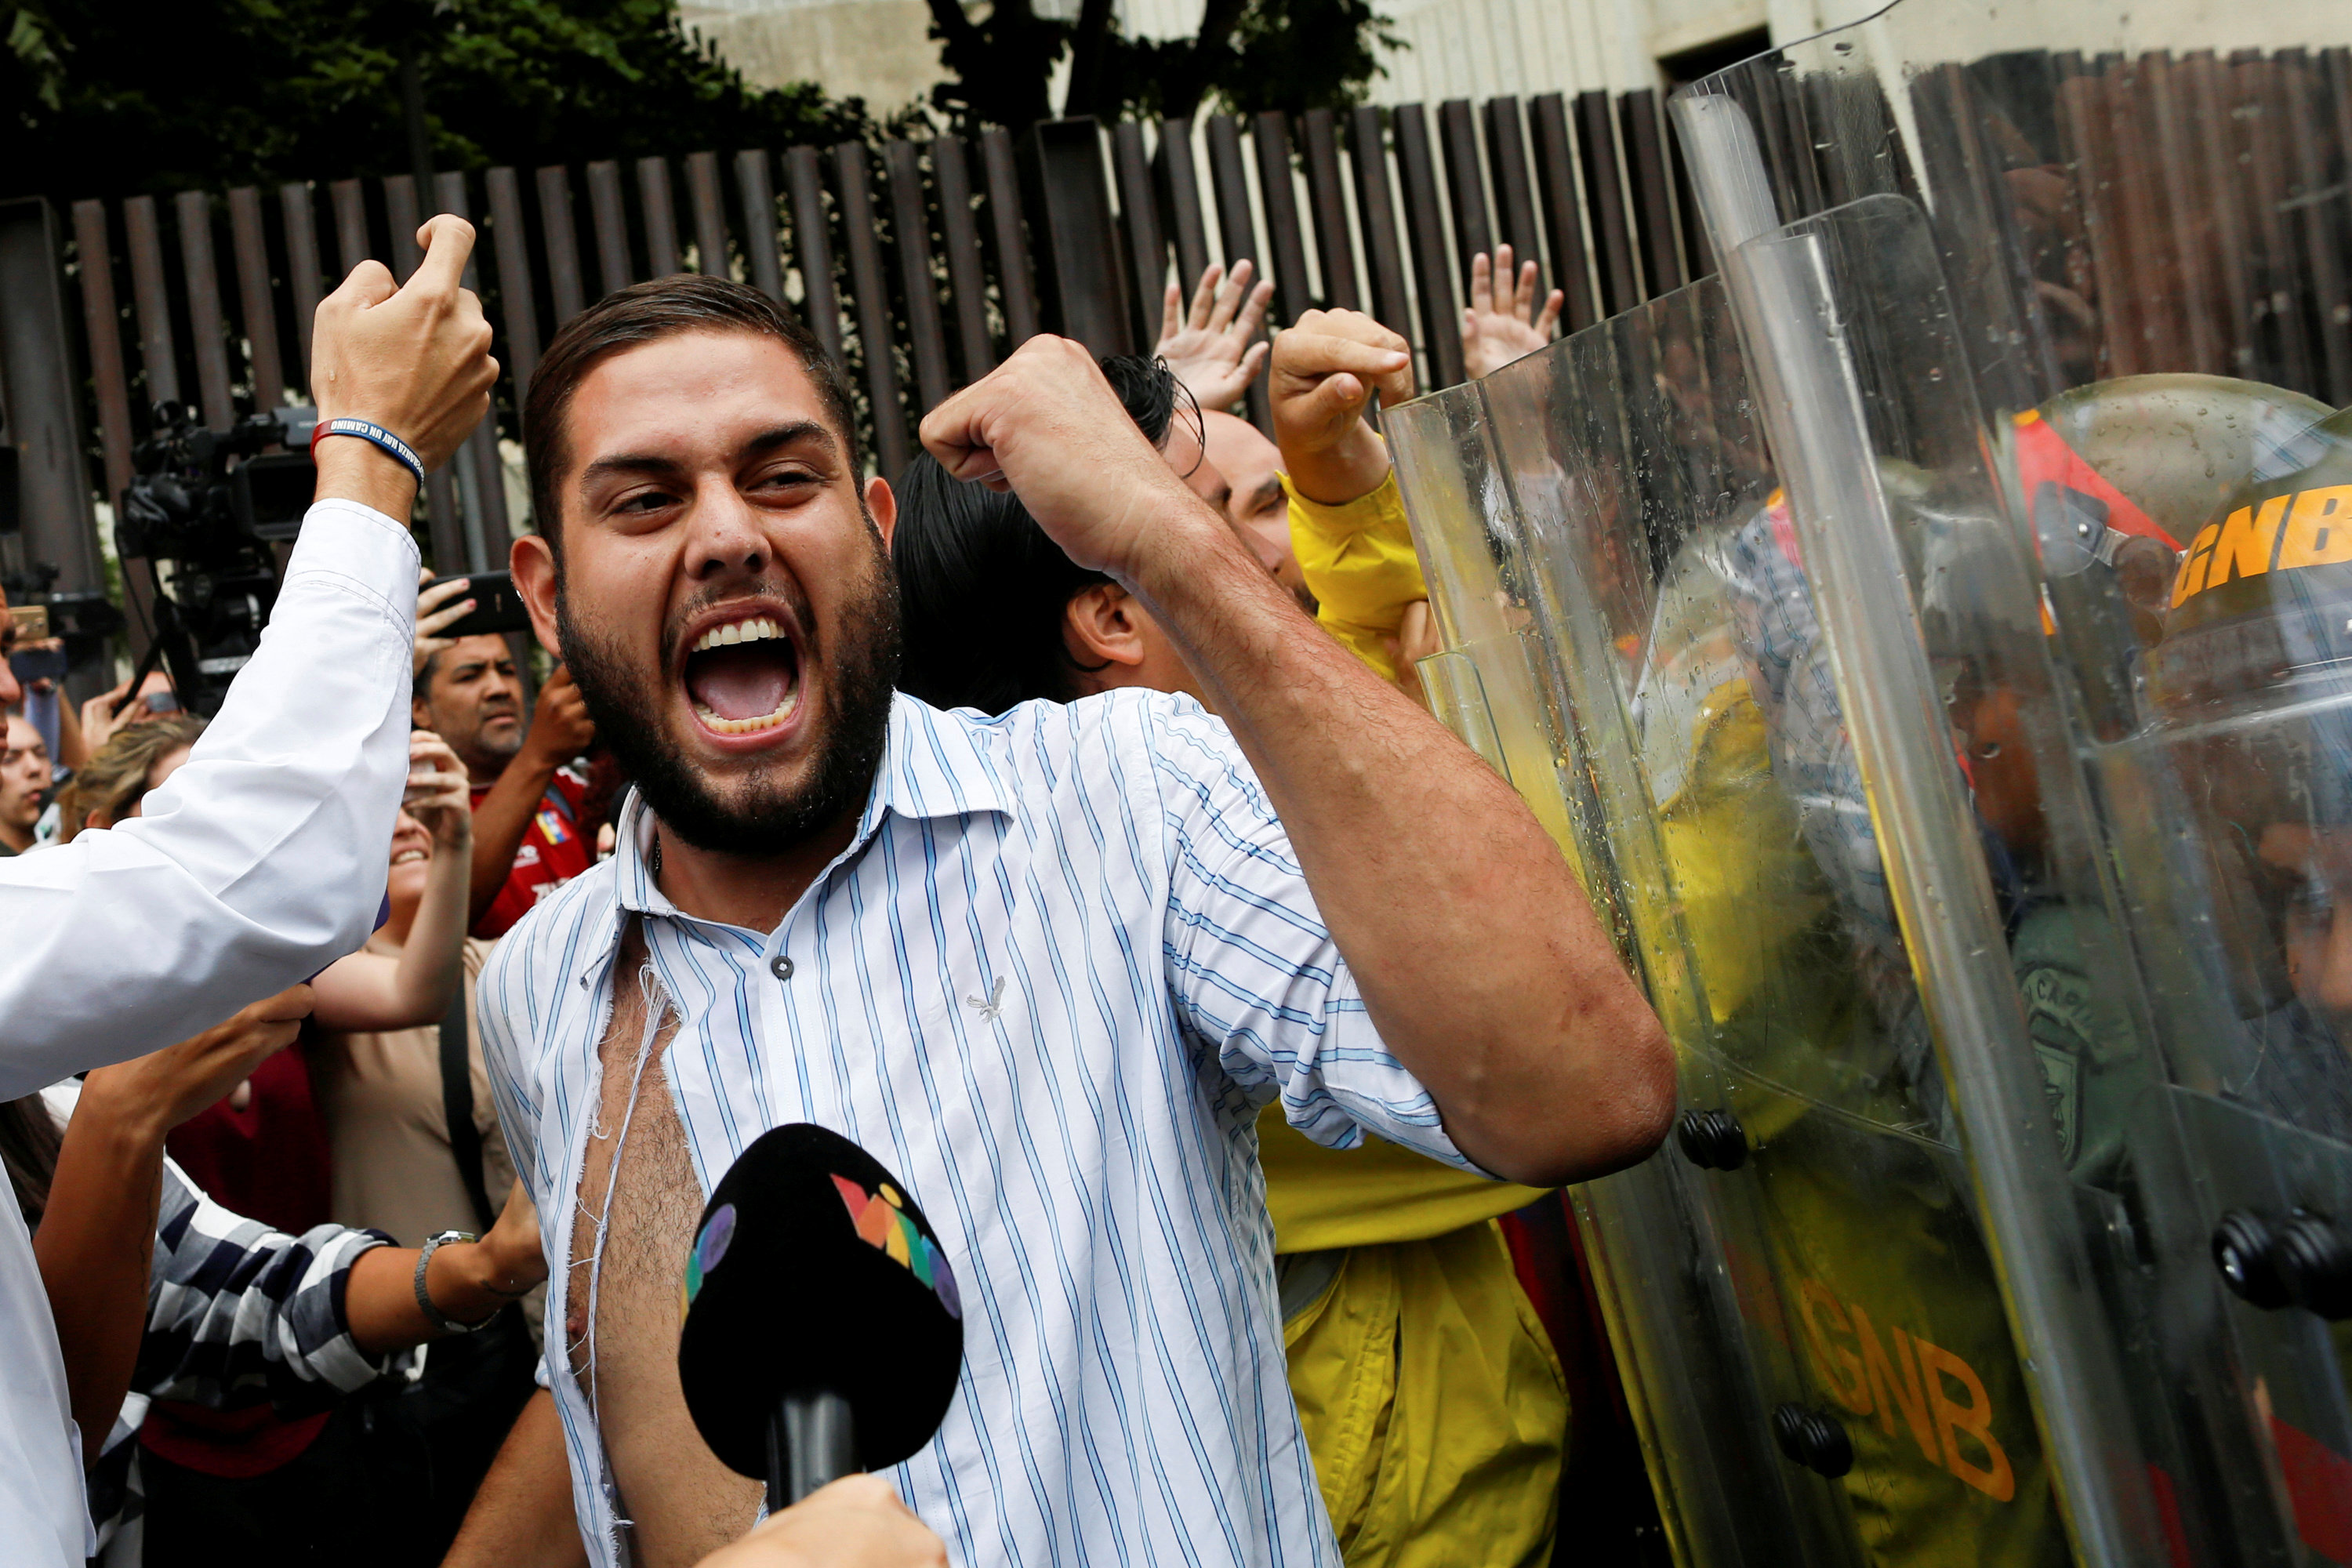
<point x="208" y="505"/>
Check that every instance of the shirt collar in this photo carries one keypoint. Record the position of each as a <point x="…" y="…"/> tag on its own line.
<point x="931" y="767"/>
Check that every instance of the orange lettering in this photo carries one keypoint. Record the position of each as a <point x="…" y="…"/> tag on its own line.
<point x="1853" y="1390"/>
<point x="2192" y="565"/>
<point x="2318" y="529"/>
<point x="1889" y="1392"/>
<point x="2247" y="536"/>
<point x="1996" y="1481"/>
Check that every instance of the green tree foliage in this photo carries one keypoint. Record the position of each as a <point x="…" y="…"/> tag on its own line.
<point x="1247" y="55"/>
<point x="108" y="97"/>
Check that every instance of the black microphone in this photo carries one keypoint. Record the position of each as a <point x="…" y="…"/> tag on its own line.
<point x="823" y="1332"/>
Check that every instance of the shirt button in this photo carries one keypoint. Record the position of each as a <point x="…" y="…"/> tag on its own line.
<point x="780" y="967"/>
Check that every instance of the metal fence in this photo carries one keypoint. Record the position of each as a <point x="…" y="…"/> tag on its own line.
<point x="919" y="263"/>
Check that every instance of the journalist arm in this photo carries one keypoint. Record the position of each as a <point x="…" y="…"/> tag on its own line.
<point x="262" y="860"/>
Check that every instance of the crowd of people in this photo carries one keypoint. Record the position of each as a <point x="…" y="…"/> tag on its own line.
<point x="1062" y="822"/>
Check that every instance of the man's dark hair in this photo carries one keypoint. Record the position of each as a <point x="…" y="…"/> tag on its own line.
<point x="1151" y="394"/>
<point x="982" y="589"/>
<point x="647" y="313"/>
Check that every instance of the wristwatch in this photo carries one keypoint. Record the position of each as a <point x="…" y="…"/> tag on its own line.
<point x="432" y="1314"/>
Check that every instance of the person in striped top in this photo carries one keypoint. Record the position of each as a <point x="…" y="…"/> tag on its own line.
<point x="1048" y="967"/>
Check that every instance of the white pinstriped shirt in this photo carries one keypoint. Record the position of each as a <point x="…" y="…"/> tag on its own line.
<point x="1086" y="1150"/>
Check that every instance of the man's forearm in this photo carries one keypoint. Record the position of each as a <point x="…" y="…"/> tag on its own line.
<point x="522" y="1515"/>
<point x="1477" y="955"/>
<point x="95" y="1247"/>
<point x="499" y="823"/>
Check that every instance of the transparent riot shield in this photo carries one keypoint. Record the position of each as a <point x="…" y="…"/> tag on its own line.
<point x="1673" y="1286"/>
<point x="2043" y="314"/>
<point x="1674" y="599"/>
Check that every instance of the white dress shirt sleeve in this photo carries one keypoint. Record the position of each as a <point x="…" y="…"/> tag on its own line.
<point x="260" y="861"/>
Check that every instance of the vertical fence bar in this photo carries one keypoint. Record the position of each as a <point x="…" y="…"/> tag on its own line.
<point x="558" y="231"/>
<point x="927" y="336"/>
<point x="2191" y="200"/>
<point x="2317" y="214"/>
<point x="207" y="326"/>
<point x="1620" y="285"/>
<point x="1080" y="242"/>
<point x="762" y="255"/>
<point x="1293" y="297"/>
<point x="1441" y="328"/>
<point x="609" y="217"/>
<point x="400" y="206"/>
<point x="1236" y="228"/>
<point x="1014" y="277"/>
<point x="1457" y="136"/>
<point x="158" y="357"/>
<point x="518" y="300"/>
<point x="483" y="478"/>
<point x="813" y="248"/>
<point x="1515" y="198"/>
<point x="1571" y="262"/>
<point x="869" y="295"/>
<point x="2208" y="88"/>
<point x="1376" y="212"/>
<point x="101" y="325"/>
<point x="710" y="214"/>
<point x="1662" y="264"/>
<point x="351" y="242"/>
<point x="659" y="214"/>
<point x="255" y="298"/>
<point x="1327" y="202"/>
<point x="2263" y="103"/>
<point x="1183" y="178"/>
<point x="967" y="274"/>
<point x="1139" y="211"/>
<point x="304" y="278"/>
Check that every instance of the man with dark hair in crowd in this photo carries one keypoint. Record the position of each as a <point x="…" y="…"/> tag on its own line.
<point x="1048" y="967"/>
<point x="528" y="832"/>
<point x="25" y="778"/>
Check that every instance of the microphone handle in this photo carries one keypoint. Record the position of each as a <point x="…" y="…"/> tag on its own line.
<point x="812" y="1441"/>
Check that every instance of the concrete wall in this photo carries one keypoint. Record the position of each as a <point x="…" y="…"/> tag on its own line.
<point x="873" y="49"/>
<point x="1479" y="48"/>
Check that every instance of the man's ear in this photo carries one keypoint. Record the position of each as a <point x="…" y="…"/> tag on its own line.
<point x="533" y="566"/>
<point x="420" y="713"/>
<point x="1099" y="628"/>
<point x="884" y="506"/>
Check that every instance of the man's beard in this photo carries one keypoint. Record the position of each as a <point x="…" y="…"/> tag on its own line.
<point x="764" y="819"/>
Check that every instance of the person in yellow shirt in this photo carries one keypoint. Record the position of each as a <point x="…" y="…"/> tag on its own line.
<point x="1433" y="1402"/>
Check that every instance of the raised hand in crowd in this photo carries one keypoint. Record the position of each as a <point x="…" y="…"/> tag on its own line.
<point x="559" y="731"/>
<point x="413" y="357"/>
<point x="1501" y="322"/>
<point x="374" y="991"/>
<point x="97" y="1230"/>
<point x="1326" y="368"/>
<point x="435" y="614"/>
<point x="1215" y="350"/>
<point x="101" y="722"/>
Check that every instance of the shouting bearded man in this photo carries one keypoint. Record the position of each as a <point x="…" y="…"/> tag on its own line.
<point x="1047" y="967"/>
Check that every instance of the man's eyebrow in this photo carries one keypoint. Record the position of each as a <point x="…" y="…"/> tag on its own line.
<point x="786" y="435"/>
<point x="658" y="464"/>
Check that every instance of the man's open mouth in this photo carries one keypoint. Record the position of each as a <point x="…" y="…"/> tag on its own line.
<point x="744" y="676"/>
